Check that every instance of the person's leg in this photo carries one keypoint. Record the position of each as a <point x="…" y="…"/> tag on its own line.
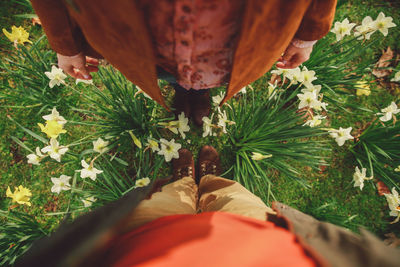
<point x="220" y="194"/>
<point x="200" y="105"/>
<point x="179" y="197"/>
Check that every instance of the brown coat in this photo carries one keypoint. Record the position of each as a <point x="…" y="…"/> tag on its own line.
<point x="117" y="31"/>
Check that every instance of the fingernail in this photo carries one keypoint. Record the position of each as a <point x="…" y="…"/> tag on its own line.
<point x="86" y="76"/>
<point x="284" y="62"/>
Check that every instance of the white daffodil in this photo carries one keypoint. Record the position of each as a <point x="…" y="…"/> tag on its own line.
<point x="366" y="29"/>
<point x="84" y="81"/>
<point x="389" y="112"/>
<point x="55" y="116"/>
<point x="35" y="158"/>
<point x="283" y="72"/>
<point x="207" y="127"/>
<point x="308" y="99"/>
<point x="397" y="169"/>
<point x="307" y="77"/>
<point x="223" y="120"/>
<point x="152" y="144"/>
<point x="393" y="201"/>
<point x="315" y="121"/>
<point x="60" y="184"/>
<point x="396" y="77"/>
<point x="54" y="150"/>
<point x="341" y="135"/>
<point x="169" y="149"/>
<point x="359" y="177"/>
<point x="87" y="202"/>
<point x="243" y="90"/>
<point x="383" y="23"/>
<point x="56" y="76"/>
<point x="341" y="29"/>
<point x="142" y="182"/>
<point x="100" y="146"/>
<point x="217" y="99"/>
<point x="259" y="156"/>
<point x="313" y="89"/>
<point x="183" y="125"/>
<point x="89" y="171"/>
<point x="294" y="75"/>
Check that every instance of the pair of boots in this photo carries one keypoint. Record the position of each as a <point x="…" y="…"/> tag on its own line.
<point x="195" y="104"/>
<point x="208" y="163"/>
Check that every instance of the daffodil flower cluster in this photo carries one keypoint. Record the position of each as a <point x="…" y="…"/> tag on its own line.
<point x="310" y="96"/>
<point x="366" y="29"/>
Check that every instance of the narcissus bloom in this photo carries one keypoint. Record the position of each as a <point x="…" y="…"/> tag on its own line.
<point x="389" y="112"/>
<point x="55" y="116"/>
<point x="52" y="128"/>
<point x="183" y="125"/>
<point x="341" y="135"/>
<point x="383" y="23"/>
<point x="366" y="29"/>
<point x="18" y="35"/>
<point x="363" y="88"/>
<point x="89" y="171"/>
<point x="21" y="195"/>
<point x="142" y="182"/>
<point x="60" y="184"/>
<point x="56" y="76"/>
<point x="169" y="149"/>
<point x="54" y="150"/>
<point x="341" y="29"/>
<point x="87" y="202"/>
<point x="315" y="121"/>
<point x="152" y="144"/>
<point x="223" y="120"/>
<point x="393" y="201"/>
<point x="35" y="158"/>
<point x="307" y="77"/>
<point x="397" y="169"/>
<point x="217" y="99"/>
<point x="100" y="146"/>
<point x="259" y="156"/>
<point x="359" y="177"/>
<point x="294" y="75"/>
<point x="310" y="99"/>
<point x="396" y="77"/>
<point x="313" y="89"/>
<point x="207" y="126"/>
<point x="136" y="140"/>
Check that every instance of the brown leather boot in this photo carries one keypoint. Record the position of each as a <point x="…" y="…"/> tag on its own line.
<point x="181" y="103"/>
<point x="208" y="162"/>
<point x="183" y="166"/>
<point x="200" y="105"/>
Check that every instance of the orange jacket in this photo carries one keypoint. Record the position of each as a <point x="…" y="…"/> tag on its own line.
<point x="117" y="31"/>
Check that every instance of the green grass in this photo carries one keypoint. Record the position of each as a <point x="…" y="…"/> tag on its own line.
<point x="330" y="196"/>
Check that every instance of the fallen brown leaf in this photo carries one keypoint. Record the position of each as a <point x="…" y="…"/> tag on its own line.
<point x="382" y="188"/>
<point x="383" y="62"/>
<point x="36" y="21"/>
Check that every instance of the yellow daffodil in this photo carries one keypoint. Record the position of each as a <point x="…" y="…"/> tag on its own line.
<point x="52" y="128"/>
<point x="18" y="35"/>
<point x="142" y="182"/>
<point x="363" y="88"/>
<point x="135" y="140"/>
<point x="21" y="195"/>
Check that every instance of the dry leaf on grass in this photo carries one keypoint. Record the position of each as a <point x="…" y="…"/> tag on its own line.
<point x="382" y="188"/>
<point x="383" y="62"/>
<point x="36" y="21"/>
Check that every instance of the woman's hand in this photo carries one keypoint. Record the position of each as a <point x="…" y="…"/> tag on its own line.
<point x="78" y="66"/>
<point x="294" y="56"/>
